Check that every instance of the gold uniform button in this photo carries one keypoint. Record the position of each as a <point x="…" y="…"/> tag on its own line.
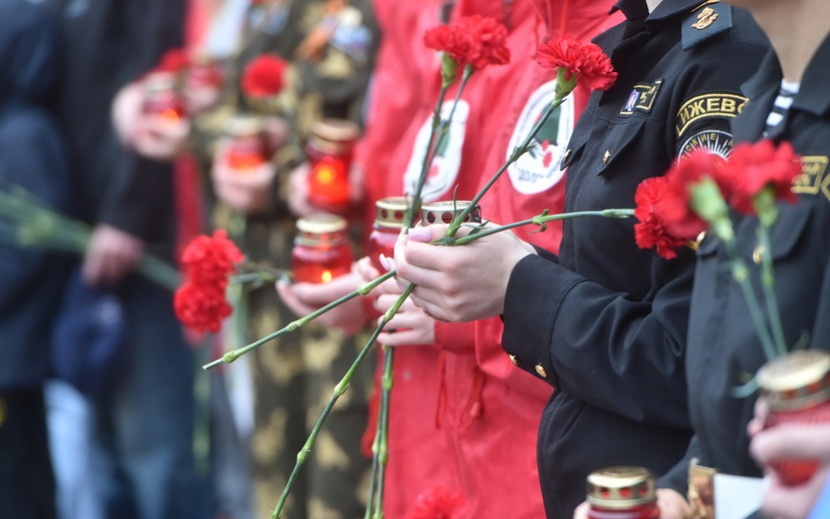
<point x="566" y="155"/>
<point x="541" y="371"/>
<point x="513" y="359"/>
<point x="606" y="156"/>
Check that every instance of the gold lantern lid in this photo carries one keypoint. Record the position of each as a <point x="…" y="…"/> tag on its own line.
<point x="390" y="212"/>
<point x="245" y="125"/>
<point x="159" y="82"/>
<point x="333" y="136"/>
<point x="322" y="223"/>
<point x="796" y="381"/>
<point x="446" y="211"/>
<point x="621" y="487"/>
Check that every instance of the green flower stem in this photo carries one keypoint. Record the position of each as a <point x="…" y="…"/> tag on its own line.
<point x="540" y="220"/>
<point x="520" y="150"/>
<point x="383" y="426"/>
<point x="440" y="128"/>
<point x="339" y="389"/>
<point x="740" y="273"/>
<point x="768" y="286"/>
<point x="299" y="323"/>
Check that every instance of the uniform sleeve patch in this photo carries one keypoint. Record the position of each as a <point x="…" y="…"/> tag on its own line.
<point x="716" y="142"/>
<point x="642" y="97"/>
<point x="705" y="106"/>
<point x="813" y="176"/>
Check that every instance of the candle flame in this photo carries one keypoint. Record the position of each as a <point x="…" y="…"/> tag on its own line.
<point x="325" y="174"/>
<point x="326" y="276"/>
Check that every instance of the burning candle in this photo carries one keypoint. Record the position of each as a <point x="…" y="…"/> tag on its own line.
<point x="329" y="152"/>
<point x="162" y="99"/>
<point x="321" y="249"/>
<point x="246" y="149"/>
<point x="389" y="220"/>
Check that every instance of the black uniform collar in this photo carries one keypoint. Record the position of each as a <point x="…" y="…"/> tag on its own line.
<point x="638" y="9"/>
<point x="812" y="94"/>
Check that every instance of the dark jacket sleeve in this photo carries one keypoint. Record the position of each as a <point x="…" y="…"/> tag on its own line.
<point x="614" y="351"/>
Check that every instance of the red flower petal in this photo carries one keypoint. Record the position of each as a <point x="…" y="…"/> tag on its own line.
<point x="651" y="231"/>
<point x="438" y="503"/>
<point x="587" y="61"/>
<point x="476" y="40"/>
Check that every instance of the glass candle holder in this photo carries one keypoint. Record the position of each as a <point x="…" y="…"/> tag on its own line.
<point x="622" y="493"/>
<point x="797" y="390"/>
<point x="162" y="98"/>
<point x="321" y="249"/>
<point x="389" y="220"/>
<point x="446" y="211"/>
<point x="246" y="147"/>
<point x="329" y="152"/>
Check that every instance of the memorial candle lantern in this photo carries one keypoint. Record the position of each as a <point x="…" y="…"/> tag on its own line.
<point x="797" y="390"/>
<point x="321" y="249"/>
<point x="162" y="98"/>
<point x="622" y="493"/>
<point x="247" y="149"/>
<point x="389" y="220"/>
<point x="329" y="153"/>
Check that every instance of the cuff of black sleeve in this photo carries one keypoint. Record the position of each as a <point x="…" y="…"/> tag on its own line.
<point x="535" y="292"/>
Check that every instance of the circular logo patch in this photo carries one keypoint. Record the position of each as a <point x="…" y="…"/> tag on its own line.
<point x="443" y="171"/>
<point x="716" y="142"/>
<point x="538" y="170"/>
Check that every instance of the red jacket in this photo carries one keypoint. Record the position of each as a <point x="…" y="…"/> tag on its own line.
<point x="461" y="414"/>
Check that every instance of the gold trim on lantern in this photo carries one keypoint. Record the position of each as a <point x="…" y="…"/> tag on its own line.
<point x="621" y="487"/>
<point x="796" y="381"/>
<point x="446" y="211"/>
<point x="391" y="211"/>
<point x="333" y="136"/>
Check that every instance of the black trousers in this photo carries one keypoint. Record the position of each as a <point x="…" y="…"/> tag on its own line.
<point x="27" y="483"/>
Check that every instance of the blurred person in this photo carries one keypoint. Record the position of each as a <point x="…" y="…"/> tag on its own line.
<point x="602" y="310"/>
<point x="33" y="156"/>
<point x="330" y="47"/>
<point x="144" y="425"/>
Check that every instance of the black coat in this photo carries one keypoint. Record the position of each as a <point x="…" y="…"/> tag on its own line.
<point x="723" y="349"/>
<point x="107" y="44"/>
<point x="605" y="322"/>
<point x="32" y="156"/>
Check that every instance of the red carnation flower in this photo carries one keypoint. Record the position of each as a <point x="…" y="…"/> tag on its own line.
<point x="584" y="61"/>
<point x="475" y="40"/>
<point x="208" y="260"/>
<point x="675" y="207"/>
<point x="174" y="61"/>
<point x="201" y="307"/>
<point x="491" y="37"/>
<point x="438" y="503"/>
<point x="263" y="76"/>
<point x="651" y="231"/>
<point x="460" y="45"/>
<point x="752" y="167"/>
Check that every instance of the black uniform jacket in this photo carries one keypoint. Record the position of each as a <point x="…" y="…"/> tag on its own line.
<point x="723" y="349"/>
<point x="605" y="322"/>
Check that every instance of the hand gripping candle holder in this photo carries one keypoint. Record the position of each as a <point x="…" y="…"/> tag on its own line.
<point x="797" y="390"/>
<point x="446" y="211"/>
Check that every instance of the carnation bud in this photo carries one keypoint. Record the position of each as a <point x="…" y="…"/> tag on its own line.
<point x="449" y="69"/>
<point x="565" y="82"/>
